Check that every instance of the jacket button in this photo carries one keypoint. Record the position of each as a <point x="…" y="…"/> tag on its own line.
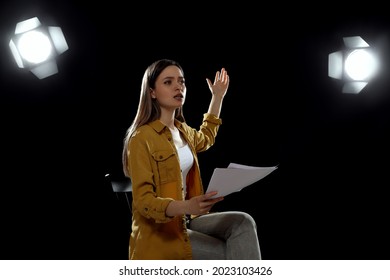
<point x="169" y="138"/>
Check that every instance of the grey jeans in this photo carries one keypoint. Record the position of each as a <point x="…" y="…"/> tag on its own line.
<point x="230" y="235"/>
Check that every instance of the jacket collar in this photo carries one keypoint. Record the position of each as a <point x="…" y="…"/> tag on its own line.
<point x="158" y="126"/>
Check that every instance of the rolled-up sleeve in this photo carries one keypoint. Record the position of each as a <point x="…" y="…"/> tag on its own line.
<point x="204" y="138"/>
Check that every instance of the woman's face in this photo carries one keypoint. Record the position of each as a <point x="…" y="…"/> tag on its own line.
<point x="170" y="89"/>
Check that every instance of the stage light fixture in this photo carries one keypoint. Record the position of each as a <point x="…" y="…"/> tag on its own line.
<point x="35" y="47"/>
<point x="356" y="65"/>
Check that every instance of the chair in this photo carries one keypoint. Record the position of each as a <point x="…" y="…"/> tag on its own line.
<point x="123" y="190"/>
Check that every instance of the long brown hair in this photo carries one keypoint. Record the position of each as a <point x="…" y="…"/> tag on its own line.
<point x="148" y="108"/>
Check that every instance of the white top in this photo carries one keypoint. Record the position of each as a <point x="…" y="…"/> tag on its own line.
<point x="186" y="161"/>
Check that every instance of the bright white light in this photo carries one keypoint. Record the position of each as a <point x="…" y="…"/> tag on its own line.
<point x="34" y="46"/>
<point x="16" y="54"/>
<point x="357" y="68"/>
<point x="27" y="25"/>
<point x="45" y="69"/>
<point x="335" y="65"/>
<point x="360" y="65"/>
<point x="58" y="39"/>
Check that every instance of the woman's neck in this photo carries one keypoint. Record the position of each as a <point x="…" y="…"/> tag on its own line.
<point x="168" y="119"/>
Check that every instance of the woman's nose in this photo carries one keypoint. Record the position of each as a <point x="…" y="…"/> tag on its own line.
<point x="180" y="86"/>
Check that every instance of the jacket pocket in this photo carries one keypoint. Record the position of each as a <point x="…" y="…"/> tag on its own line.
<point x="165" y="162"/>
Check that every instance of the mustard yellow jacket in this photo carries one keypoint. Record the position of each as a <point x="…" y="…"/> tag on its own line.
<point x="155" y="173"/>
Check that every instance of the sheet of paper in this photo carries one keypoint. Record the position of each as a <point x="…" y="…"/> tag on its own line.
<point x="236" y="177"/>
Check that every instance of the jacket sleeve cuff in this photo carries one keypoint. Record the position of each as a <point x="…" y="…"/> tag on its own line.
<point x="212" y="118"/>
<point x="159" y="213"/>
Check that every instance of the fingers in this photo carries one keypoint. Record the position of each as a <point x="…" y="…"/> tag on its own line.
<point x="206" y="205"/>
<point x="216" y="77"/>
<point x="208" y="200"/>
<point x="203" y="203"/>
<point x="221" y="77"/>
<point x="209" y="83"/>
<point x="209" y="194"/>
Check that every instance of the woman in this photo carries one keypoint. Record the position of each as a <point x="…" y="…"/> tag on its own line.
<point x="171" y="218"/>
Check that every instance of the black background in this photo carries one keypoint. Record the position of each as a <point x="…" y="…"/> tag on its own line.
<point x="61" y="135"/>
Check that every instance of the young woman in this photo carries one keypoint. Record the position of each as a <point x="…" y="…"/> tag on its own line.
<point x="171" y="212"/>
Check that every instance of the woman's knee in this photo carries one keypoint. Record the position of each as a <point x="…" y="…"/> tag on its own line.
<point x="243" y="219"/>
<point x="248" y="220"/>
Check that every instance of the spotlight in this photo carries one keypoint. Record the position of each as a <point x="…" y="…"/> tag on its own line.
<point x="356" y="65"/>
<point x="35" y="47"/>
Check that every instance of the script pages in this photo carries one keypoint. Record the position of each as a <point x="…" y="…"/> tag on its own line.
<point x="236" y="177"/>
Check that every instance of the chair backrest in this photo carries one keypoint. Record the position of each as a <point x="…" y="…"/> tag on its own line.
<point x="123" y="185"/>
<point x="122" y="188"/>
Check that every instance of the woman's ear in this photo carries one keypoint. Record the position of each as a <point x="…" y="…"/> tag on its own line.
<point x="151" y="91"/>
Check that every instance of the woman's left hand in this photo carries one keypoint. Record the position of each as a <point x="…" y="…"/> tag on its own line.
<point x="221" y="83"/>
